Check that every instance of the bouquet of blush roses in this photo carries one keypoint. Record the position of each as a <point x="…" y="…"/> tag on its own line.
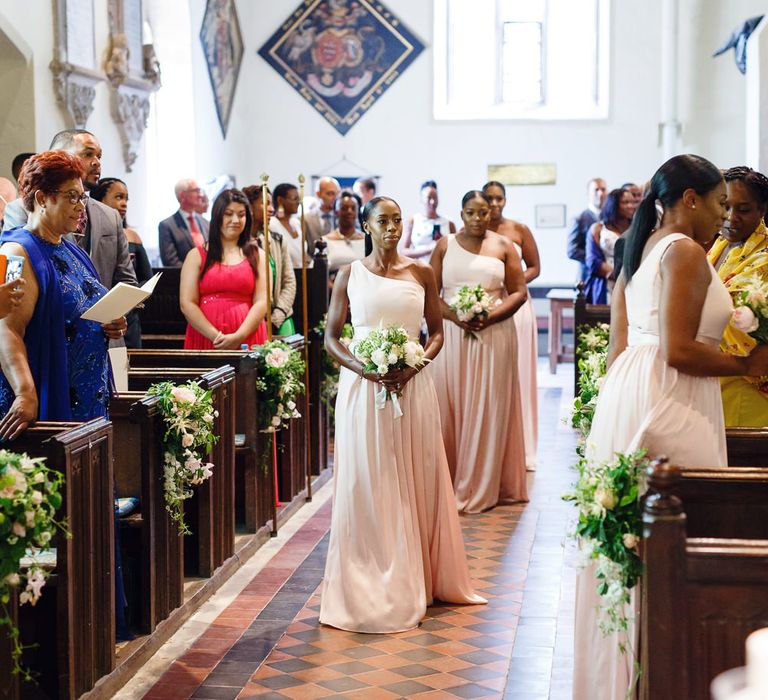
<point x="751" y="312"/>
<point x="385" y="349"/>
<point x="470" y="303"/>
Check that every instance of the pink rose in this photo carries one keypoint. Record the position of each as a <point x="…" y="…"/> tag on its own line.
<point x="744" y="319"/>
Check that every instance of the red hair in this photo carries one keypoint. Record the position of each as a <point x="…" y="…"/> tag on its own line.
<point x="46" y="171"/>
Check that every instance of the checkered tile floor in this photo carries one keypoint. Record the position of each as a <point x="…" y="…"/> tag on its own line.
<point x="268" y="642"/>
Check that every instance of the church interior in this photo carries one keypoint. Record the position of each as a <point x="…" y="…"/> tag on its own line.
<point x="273" y="427"/>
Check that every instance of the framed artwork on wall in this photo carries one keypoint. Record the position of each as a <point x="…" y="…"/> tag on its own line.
<point x="550" y="215"/>
<point x="223" y="49"/>
<point x="341" y="55"/>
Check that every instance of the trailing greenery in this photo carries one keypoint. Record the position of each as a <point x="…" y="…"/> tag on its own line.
<point x="30" y="495"/>
<point x="188" y="414"/>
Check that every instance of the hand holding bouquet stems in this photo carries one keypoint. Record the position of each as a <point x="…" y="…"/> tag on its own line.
<point x="390" y="355"/>
<point x="472" y="306"/>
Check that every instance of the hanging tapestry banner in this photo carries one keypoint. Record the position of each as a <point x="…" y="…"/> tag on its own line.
<point x="341" y="55"/>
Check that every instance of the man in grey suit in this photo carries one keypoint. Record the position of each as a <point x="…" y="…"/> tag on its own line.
<point x="103" y="238"/>
<point x="186" y="229"/>
<point x="321" y="219"/>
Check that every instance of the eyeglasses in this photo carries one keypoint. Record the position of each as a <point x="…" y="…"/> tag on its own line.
<point x="73" y="196"/>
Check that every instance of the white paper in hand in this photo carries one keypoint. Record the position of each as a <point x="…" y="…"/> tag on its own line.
<point x="119" y="300"/>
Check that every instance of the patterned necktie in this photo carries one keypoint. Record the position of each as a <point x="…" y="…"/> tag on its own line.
<point x="197" y="237"/>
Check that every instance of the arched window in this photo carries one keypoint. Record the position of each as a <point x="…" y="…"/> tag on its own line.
<point x="521" y="59"/>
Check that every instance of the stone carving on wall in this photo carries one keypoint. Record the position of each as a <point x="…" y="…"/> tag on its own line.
<point x="74" y="59"/>
<point x="133" y="73"/>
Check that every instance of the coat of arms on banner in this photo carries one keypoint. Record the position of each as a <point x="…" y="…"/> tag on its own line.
<point x="341" y="55"/>
<point x="223" y="48"/>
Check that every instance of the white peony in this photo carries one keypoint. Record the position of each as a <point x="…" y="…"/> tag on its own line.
<point x="744" y="319"/>
<point x="187" y="440"/>
<point x="382" y="369"/>
<point x="379" y="357"/>
<point x="392" y="358"/>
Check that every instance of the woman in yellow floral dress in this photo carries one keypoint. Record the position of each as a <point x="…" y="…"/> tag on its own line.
<point x="740" y="252"/>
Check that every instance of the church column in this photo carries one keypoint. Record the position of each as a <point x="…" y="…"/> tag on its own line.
<point x="669" y="127"/>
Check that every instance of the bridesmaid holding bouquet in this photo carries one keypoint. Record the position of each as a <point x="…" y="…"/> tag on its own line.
<point x="477" y="373"/>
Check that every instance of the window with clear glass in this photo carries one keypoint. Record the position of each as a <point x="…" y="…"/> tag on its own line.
<point x="521" y="59"/>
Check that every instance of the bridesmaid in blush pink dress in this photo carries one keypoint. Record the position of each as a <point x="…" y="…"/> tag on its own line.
<point x="525" y="318"/>
<point x="396" y="543"/>
<point x="476" y="375"/>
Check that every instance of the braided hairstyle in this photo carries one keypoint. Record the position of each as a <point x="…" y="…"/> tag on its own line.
<point x="755" y="182"/>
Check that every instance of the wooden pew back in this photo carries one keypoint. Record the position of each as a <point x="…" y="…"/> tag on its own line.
<point x="701" y="597"/>
<point x="83" y="582"/>
<point x="162" y="323"/>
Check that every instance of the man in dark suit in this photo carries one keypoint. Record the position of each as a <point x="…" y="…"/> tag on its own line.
<point x="186" y="229"/>
<point x="597" y="191"/>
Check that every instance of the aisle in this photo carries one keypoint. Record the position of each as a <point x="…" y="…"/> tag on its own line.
<point x="260" y="636"/>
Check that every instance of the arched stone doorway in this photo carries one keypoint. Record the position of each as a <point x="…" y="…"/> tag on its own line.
<point x="17" y="116"/>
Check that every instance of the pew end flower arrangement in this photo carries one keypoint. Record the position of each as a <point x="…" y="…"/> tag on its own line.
<point x="471" y="302"/>
<point x="279" y="381"/>
<point x="188" y="415"/>
<point x="30" y="495"/>
<point x="607" y="497"/>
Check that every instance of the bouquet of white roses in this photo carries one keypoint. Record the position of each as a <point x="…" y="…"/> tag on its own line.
<point x="751" y="312"/>
<point x="385" y="349"/>
<point x="470" y="303"/>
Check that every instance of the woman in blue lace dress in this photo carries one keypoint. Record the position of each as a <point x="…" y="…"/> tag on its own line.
<point x="54" y="364"/>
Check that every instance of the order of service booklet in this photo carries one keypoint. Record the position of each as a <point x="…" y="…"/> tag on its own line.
<point x="119" y="300"/>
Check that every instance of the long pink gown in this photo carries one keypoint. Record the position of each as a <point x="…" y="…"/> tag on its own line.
<point x="527" y="354"/>
<point x="396" y="544"/>
<point x="645" y="403"/>
<point x="478" y="393"/>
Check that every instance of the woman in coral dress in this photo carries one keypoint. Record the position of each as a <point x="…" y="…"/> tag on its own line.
<point x="476" y="374"/>
<point x="223" y="287"/>
<point x="525" y="317"/>
<point x="661" y="392"/>
<point x="396" y="544"/>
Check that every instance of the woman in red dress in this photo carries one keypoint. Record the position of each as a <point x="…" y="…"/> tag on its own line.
<point x="223" y="286"/>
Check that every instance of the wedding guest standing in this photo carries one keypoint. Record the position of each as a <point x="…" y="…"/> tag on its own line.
<point x="114" y="193"/>
<point x="345" y="243"/>
<point x="740" y="255"/>
<point x="476" y="374"/>
<point x="395" y="543"/>
<point x="223" y="285"/>
<point x="615" y="218"/>
<point x="525" y="318"/>
<point x="54" y="363"/>
<point x="280" y="265"/>
<point x="661" y="391"/>
<point x="425" y="228"/>
<point x="285" y="198"/>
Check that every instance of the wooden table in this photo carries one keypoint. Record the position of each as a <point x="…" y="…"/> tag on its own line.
<point x="559" y="300"/>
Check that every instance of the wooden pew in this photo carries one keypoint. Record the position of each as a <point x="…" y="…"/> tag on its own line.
<point x="701" y="596"/>
<point x="162" y="323"/>
<point x="747" y="447"/>
<point x="73" y="624"/>
<point x="254" y="490"/>
<point x="586" y="315"/>
<point x="210" y="513"/>
<point x="153" y="570"/>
